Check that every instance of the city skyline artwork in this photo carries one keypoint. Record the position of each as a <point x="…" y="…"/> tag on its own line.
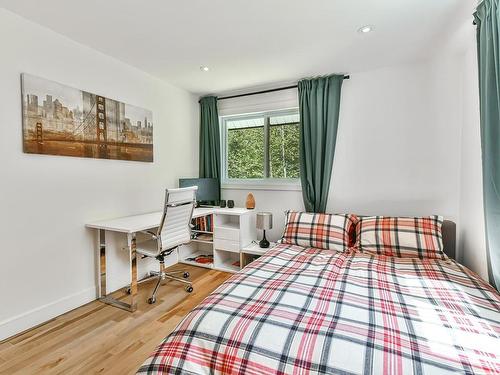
<point x="61" y="120"/>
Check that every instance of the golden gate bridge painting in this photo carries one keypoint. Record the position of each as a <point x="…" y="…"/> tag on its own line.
<point x="61" y="120"/>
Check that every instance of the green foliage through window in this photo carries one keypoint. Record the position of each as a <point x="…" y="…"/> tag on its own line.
<point x="284" y="151"/>
<point x="264" y="146"/>
<point x="245" y="152"/>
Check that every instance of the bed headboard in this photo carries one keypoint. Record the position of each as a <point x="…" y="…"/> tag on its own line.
<point x="449" y="230"/>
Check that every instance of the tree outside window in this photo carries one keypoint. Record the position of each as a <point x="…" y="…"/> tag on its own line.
<point x="262" y="147"/>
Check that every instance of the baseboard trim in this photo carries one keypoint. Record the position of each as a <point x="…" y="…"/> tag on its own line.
<point x="29" y="319"/>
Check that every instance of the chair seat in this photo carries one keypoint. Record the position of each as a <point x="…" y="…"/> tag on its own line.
<point x="148" y="248"/>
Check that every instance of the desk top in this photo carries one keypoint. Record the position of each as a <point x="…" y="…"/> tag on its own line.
<point x="137" y="223"/>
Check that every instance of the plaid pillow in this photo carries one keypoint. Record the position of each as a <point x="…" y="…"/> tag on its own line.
<point x="321" y="231"/>
<point x="404" y="237"/>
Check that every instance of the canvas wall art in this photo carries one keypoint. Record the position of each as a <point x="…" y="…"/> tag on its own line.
<point x="61" y="120"/>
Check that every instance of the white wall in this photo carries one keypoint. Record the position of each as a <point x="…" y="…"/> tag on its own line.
<point x="48" y="262"/>
<point x="458" y="62"/>
<point x="395" y="155"/>
<point x="397" y="149"/>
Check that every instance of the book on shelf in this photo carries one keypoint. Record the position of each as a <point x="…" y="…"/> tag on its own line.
<point x="203" y="223"/>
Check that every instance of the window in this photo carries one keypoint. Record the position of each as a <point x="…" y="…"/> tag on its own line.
<point x="261" y="147"/>
<point x="284" y="146"/>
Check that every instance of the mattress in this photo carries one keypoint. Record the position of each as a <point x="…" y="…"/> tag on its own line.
<point x="309" y="311"/>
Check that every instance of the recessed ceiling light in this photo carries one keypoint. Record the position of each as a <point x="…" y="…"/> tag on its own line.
<point x="365" y="29"/>
<point x="204" y="68"/>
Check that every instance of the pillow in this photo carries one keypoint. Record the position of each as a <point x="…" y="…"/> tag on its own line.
<point x="404" y="237"/>
<point x="322" y="231"/>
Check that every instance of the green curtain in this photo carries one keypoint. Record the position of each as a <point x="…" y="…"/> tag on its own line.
<point x="210" y="165"/>
<point x="319" y="102"/>
<point x="487" y="19"/>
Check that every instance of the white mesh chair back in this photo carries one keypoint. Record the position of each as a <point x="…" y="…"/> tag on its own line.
<point x="175" y="226"/>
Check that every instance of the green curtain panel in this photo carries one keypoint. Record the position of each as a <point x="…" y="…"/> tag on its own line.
<point x="210" y="166"/>
<point x="487" y="19"/>
<point x="319" y="101"/>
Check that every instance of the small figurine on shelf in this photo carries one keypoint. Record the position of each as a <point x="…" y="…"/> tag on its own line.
<point x="250" y="202"/>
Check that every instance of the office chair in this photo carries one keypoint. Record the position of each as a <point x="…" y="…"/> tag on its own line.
<point x="174" y="230"/>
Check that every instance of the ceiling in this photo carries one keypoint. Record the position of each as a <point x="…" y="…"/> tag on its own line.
<point x="247" y="43"/>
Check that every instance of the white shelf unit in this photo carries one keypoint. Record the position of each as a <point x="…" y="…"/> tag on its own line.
<point x="233" y="229"/>
<point x="226" y="261"/>
<point x="253" y="251"/>
<point x="194" y="249"/>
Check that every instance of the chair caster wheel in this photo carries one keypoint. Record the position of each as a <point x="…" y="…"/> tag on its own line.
<point x="151" y="300"/>
<point x="185" y="275"/>
<point x="128" y="291"/>
<point x="189" y="289"/>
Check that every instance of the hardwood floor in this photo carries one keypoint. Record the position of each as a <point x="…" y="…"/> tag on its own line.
<point x="97" y="338"/>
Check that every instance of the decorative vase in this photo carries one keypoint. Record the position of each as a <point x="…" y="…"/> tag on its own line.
<point x="250" y="202"/>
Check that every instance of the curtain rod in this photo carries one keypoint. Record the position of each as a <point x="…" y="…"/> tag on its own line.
<point x="264" y="91"/>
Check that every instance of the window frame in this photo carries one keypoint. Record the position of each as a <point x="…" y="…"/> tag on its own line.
<point x="265" y="183"/>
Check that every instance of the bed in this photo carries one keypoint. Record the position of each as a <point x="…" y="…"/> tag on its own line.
<point x="300" y="310"/>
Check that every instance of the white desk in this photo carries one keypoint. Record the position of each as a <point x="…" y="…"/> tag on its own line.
<point x="137" y="223"/>
<point x="131" y="225"/>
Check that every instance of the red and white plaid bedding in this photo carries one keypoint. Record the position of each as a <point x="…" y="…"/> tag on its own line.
<point x="307" y="311"/>
<point x="404" y="237"/>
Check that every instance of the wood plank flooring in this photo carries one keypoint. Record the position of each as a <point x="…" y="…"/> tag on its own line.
<point x="101" y="339"/>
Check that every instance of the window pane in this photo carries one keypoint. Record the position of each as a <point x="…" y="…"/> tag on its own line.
<point x="284" y="119"/>
<point x="245" y="148"/>
<point x="284" y="147"/>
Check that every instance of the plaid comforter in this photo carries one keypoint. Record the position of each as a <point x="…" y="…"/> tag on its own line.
<point x="307" y="311"/>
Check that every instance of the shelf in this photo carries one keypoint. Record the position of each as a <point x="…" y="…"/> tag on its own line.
<point x="224" y="260"/>
<point x="247" y="258"/>
<point x="228" y="225"/>
<point x="202" y="224"/>
<point x="194" y="263"/>
<point x="255" y="249"/>
<point x="258" y="251"/>
<point x="204" y="238"/>
<point x="229" y="229"/>
<point x="232" y="211"/>
<point x="228" y="267"/>
<point x="201" y="241"/>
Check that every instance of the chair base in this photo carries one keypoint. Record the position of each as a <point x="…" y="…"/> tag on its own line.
<point x="165" y="276"/>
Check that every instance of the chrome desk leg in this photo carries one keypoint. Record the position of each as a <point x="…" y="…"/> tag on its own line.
<point x="133" y="270"/>
<point x="132" y="306"/>
<point x="102" y="263"/>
